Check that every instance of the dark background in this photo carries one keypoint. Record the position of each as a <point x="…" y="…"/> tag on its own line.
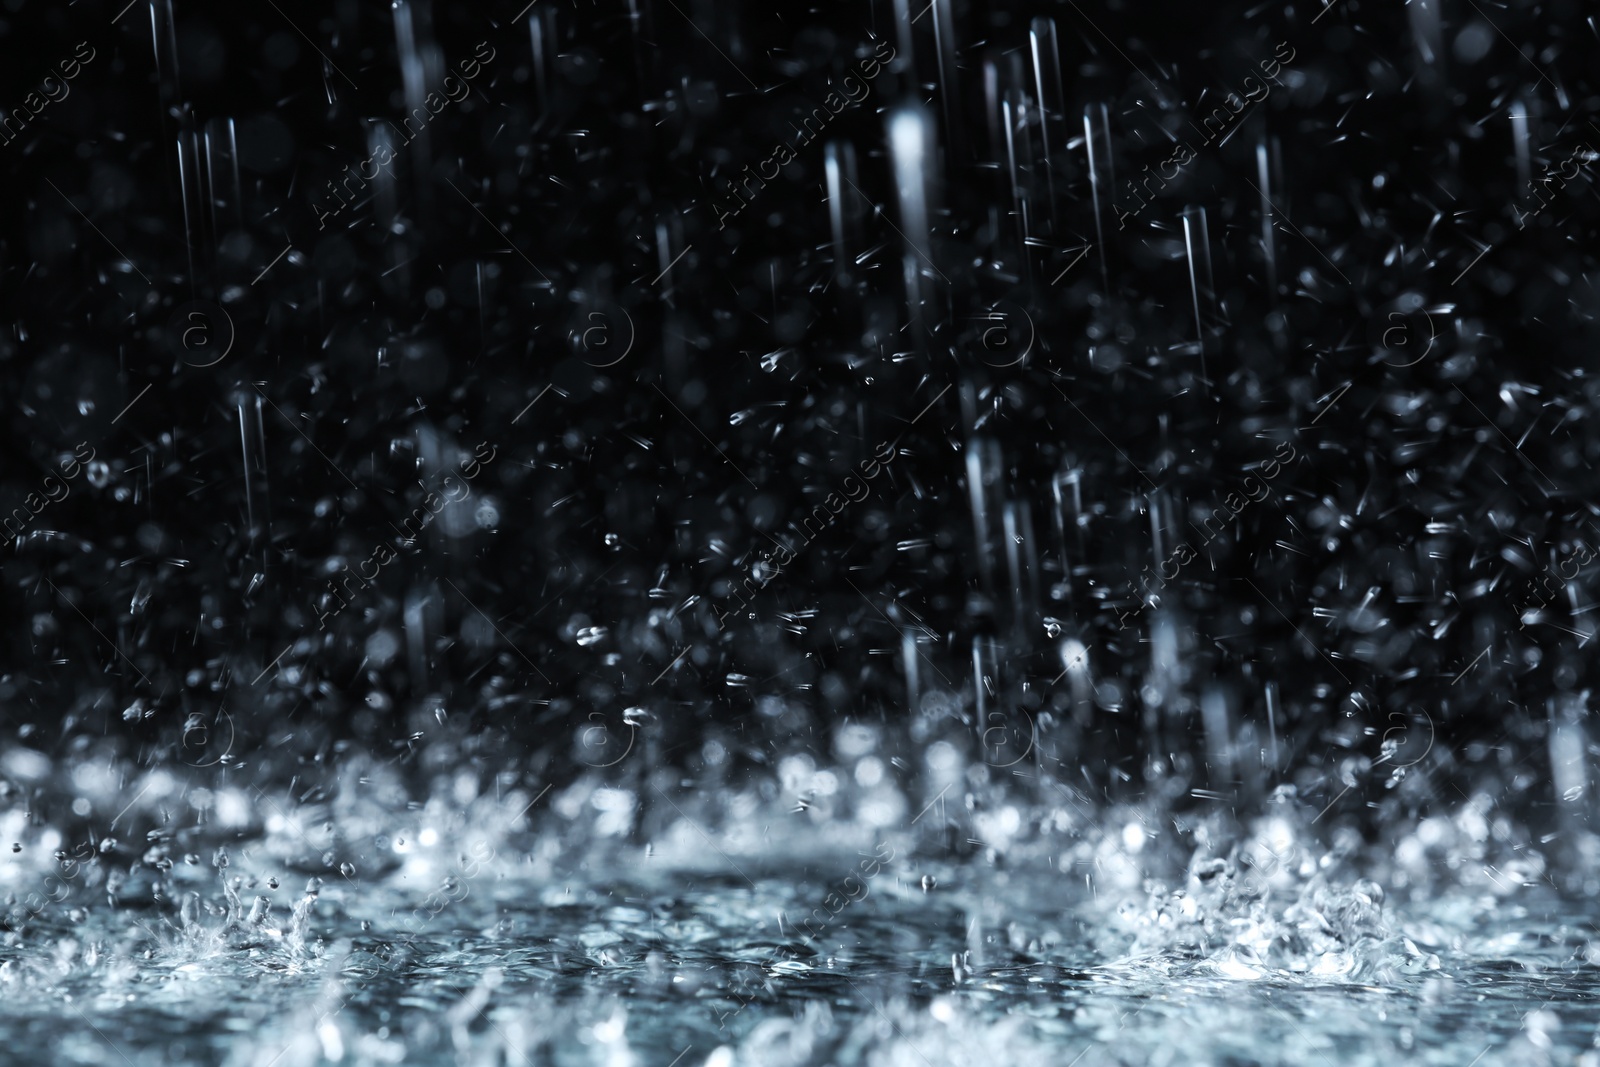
<point x="168" y="607"/>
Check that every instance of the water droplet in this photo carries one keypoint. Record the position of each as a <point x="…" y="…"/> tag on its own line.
<point x="16" y="848"/>
<point x="347" y="869"/>
<point x="272" y="883"/>
<point x="928" y="883"/>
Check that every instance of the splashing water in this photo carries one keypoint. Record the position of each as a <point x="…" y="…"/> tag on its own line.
<point x="1035" y="577"/>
